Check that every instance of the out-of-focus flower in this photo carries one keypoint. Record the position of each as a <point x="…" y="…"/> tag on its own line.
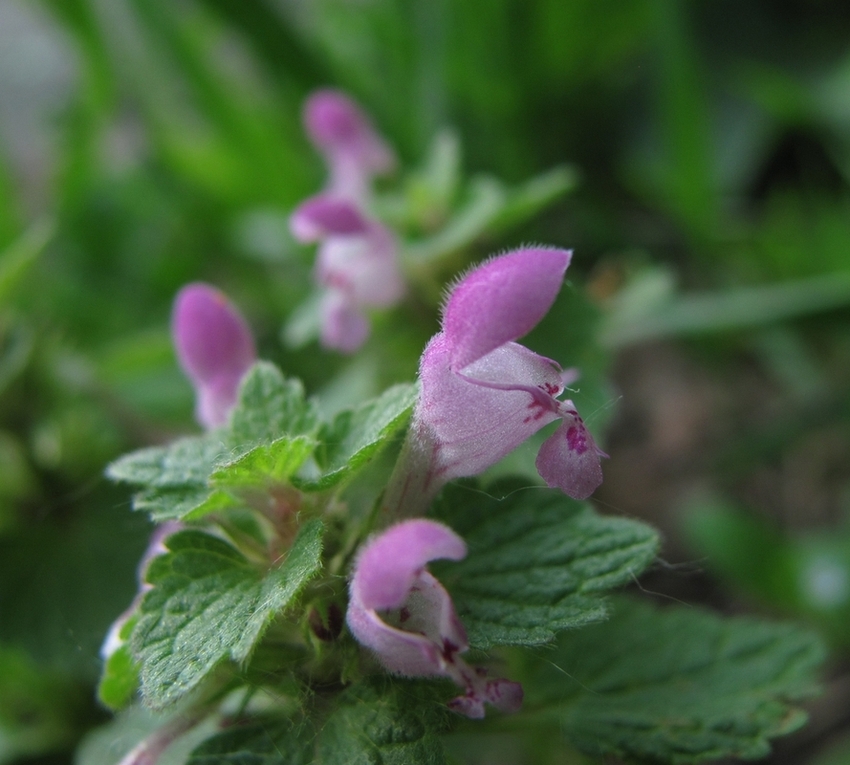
<point x="405" y="616"/>
<point x="482" y="394"/>
<point x="356" y="265"/>
<point x="353" y="150"/>
<point x="215" y="348"/>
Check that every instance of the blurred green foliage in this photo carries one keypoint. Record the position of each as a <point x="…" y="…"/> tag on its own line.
<point x="709" y="149"/>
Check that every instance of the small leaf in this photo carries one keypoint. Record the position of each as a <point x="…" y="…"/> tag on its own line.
<point x="262" y="741"/>
<point x="677" y="685"/>
<point x="186" y="462"/>
<point x="120" y="678"/>
<point x="537" y="561"/>
<point x="172" y="504"/>
<point x="209" y="603"/>
<point x="268" y="438"/>
<point x="356" y="435"/>
<point x="270" y="406"/>
<point x="384" y="721"/>
<point x="267" y="463"/>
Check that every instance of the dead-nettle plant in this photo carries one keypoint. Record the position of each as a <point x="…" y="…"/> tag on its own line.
<point x="317" y="601"/>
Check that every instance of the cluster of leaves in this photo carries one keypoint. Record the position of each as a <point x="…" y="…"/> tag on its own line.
<point x="231" y="613"/>
<point x="712" y="144"/>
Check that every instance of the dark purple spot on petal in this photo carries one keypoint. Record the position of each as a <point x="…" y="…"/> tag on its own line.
<point x="577" y="439"/>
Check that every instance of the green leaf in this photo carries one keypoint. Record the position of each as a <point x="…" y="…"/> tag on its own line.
<point x="268" y="741"/>
<point x="17" y="259"/>
<point x="269" y="436"/>
<point x="356" y="435"/>
<point x="209" y="603"/>
<point x="186" y="462"/>
<point x="120" y="678"/>
<point x="667" y="315"/>
<point x="384" y="722"/>
<point x="270" y="406"/>
<point x="486" y="198"/>
<point x="267" y="463"/>
<point x="676" y="685"/>
<point x="533" y="196"/>
<point x="537" y="561"/>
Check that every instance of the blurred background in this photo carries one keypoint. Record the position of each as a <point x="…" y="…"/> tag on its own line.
<point x="701" y="155"/>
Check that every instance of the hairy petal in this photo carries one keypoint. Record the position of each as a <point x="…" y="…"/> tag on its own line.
<point x="388" y="565"/>
<point x="416" y="639"/>
<point x="570" y="460"/>
<point x="214" y="347"/>
<point x="405" y="616"/>
<point x="472" y="424"/>
<point x="502" y="300"/>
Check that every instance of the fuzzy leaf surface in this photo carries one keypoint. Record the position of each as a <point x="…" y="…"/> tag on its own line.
<point x="356" y="435"/>
<point x="538" y="561"/>
<point x="209" y="603"/>
<point x="384" y="722"/>
<point x="266" y="463"/>
<point x="269" y="436"/>
<point x="676" y="685"/>
<point x="270" y="406"/>
<point x="260" y="742"/>
<point x="186" y="462"/>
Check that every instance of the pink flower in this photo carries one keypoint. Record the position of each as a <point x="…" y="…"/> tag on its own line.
<point x="215" y="348"/>
<point x="482" y="394"/>
<point x="356" y="265"/>
<point x="353" y="150"/>
<point x="403" y="614"/>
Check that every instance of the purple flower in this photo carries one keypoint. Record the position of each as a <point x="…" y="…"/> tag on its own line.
<point x="215" y="348"/>
<point x="482" y="394"/>
<point x="356" y="265"/>
<point x="354" y="152"/>
<point x="403" y="614"/>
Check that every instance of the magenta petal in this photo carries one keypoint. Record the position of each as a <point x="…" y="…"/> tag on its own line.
<point x="339" y="129"/>
<point x="570" y="459"/>
<point x="420" y="638"/>
<point x="387" y="566"/>
<point x="472" y="426"/>
<point x="502" y="300"/>
<point x="344" y="327"/>
<point x="322" y="216"/>
<point x="364" y="266"/>
<point x="214" y="347"/>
